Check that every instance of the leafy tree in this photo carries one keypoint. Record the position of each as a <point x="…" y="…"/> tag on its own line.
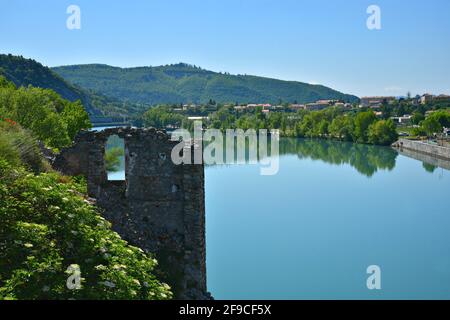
<point x="442" y="116"/>
<point x="418" y="132"/>
<point x="435" y="122"/>
<point x="323" y="127"/>
<point x="382" y="132"/>
<point x="112" y="158"/>
<point x="342" y="127"/>
<point x="162" y="116"/>
<point x="362" y="122"/>
<point x="417" y="118"/>
<point x="75" y="118"/>
<point x="431" y="125"/>
<point x="53" y="120"/>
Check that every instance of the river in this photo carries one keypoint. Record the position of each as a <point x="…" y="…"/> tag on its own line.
<point x="333" y="209"/>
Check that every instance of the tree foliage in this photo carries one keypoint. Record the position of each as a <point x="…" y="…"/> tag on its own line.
<point x="52" y="119"/>
<point x="112" y="158"/>
<point x="47" y="227"/>
<point x="162" y="116"/>
<point x="19" y="147"/>
<point x="24" y="72"/>
<point x="332" y="123"/>
<point x="382" y="133"/>
<point x="183" y="83"/>
<point x="46" y="223"/>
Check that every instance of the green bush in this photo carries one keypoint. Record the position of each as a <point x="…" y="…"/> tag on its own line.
<point x="47" y="226"/>
<point x="435" y="122"/>
<point x="8" y="151"/>
<point x="52" y="119"/>
<point x="112" y="158"/>
<point x="19" y="147"/>
<point x="382" y="132"/>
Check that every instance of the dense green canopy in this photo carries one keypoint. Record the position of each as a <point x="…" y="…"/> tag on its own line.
<point x="183" y="83"/>
<point x="52" y="119"/>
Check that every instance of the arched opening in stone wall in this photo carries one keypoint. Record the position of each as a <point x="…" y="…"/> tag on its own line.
<point x="115" y="158"/>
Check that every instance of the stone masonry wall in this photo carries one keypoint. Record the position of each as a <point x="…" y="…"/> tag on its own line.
<point x="425" y="148"/>
<point x="159" y="207"/>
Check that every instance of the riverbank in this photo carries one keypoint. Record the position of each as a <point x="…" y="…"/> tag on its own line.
<point x="423" y="147"/>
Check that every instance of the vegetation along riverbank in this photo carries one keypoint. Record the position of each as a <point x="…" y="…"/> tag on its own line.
<point x="50" y="231"/>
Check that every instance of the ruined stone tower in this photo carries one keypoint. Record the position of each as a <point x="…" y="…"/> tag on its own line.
<point x="159" y="207"/>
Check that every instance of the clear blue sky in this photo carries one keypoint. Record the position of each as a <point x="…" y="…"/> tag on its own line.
<point x="316" y="41"/>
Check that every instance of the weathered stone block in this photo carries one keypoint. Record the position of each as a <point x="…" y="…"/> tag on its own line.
<point x="160" y="207"/>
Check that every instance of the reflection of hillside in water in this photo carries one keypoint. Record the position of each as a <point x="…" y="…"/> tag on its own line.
<point x="366" y="159"/>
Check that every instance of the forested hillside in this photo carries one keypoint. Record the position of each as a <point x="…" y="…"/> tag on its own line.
<point x="25" y="72"/>
<point x="183" y="83"/>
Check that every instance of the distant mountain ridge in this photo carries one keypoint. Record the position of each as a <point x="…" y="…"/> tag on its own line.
<point x="184" y="83"/>
<point x="24" y="72"/>
<point x="122" y="92"/>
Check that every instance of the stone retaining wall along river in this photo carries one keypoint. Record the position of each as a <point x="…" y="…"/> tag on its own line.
<point x="423" y="147"/>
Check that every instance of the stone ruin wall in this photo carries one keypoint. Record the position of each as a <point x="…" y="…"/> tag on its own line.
<point x="160" y="207"/>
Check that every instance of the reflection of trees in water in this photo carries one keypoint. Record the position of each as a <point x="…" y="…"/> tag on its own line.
<point x="429" y="167"/>
<point x="366" y="159"/>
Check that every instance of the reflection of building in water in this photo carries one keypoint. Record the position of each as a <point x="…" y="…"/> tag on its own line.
<point x="427" y="159"/>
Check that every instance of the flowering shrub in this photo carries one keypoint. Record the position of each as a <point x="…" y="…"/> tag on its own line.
<point x="11" y="122"/>
<point x="47" y="226"/>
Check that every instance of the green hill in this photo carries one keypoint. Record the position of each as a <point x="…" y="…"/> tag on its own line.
<point x="24" y="72"/>
<point x="183" y="83"/>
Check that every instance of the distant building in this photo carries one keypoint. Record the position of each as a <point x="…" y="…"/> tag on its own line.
<point x="297" y="107"/>
<point x="319" y="105"/>
<point x="315" y="106"/>
<point x="375" y="102"/>
<point x="329" y="102"/>
<point x="406" y="119"/>
<point x="379" y="113"/>
<point x="198" y="118"/>
<point x="441" y="99"/>
<point x="426" y="98"/>
<point x="416" y="100"/>
<point x="264" y="106"/>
